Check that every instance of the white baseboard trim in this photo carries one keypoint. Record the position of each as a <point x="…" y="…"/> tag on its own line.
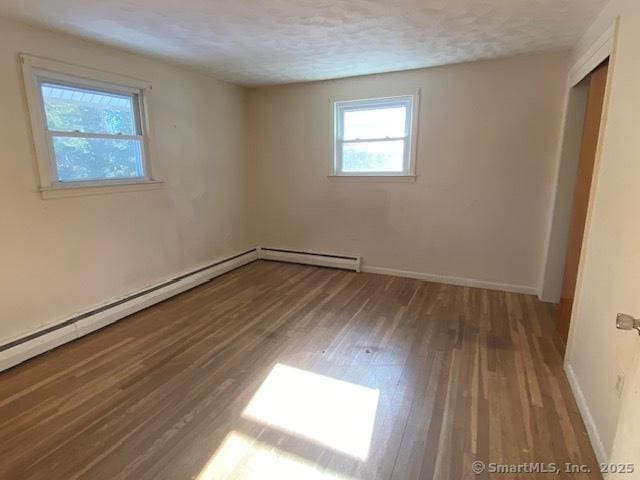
<point x="449" y="280"/>
<point x="19" y="350"/>
<point x="592" y="429"/>
<point x="310" y="258"/>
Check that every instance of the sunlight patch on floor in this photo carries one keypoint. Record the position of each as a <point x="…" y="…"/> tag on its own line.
<point x="333" y="413"/>
<point x="241" y="457"/>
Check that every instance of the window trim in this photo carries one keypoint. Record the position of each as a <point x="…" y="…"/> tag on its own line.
<point x="37" y="70"/>
<point x="340" y="105"/>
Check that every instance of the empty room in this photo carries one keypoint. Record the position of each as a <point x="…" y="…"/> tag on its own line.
<point x="324" y="240"/>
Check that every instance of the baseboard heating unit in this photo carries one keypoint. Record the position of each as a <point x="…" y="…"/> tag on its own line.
<point x="32" y="344"/>
<point x="310" y="258"/>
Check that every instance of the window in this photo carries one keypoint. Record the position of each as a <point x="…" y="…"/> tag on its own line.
<point x="89" y="127"/>
<point x="93" y="135"/>
<point x="375" y="137"/>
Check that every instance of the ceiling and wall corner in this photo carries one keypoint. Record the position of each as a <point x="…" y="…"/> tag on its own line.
<point x="286" y="41"/>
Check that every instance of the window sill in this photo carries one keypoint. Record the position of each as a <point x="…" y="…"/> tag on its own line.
<point x="75" y="190"/>
<point x="372" y="178"/>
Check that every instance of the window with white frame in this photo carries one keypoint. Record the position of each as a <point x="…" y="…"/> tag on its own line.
<point x="89" y="127"/>
<point x="375" y="137"/>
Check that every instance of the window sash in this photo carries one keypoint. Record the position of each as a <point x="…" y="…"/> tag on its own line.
<point x="144" y="171"/>
<point x="405" y="166"/>
<point x="137" y="108"/>
<point x="375" y="104"/>
<point x="134" y="97"/>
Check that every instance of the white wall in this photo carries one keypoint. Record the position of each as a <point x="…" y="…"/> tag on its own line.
<point x="599" y="358"/>
<point x="488" y="138"/>
<point x="60" y="257"/>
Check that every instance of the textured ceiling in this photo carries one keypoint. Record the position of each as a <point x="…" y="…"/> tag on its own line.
<point x="256" y="42"/>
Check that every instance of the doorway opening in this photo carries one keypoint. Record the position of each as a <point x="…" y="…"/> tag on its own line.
<point x="597" y="81"/>
<point x="575" y="176"/>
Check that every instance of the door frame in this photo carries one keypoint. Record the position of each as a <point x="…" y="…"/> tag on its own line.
<point x="552" y="272"/>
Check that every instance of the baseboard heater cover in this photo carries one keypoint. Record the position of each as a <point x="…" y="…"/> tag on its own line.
<point x="24" y="348"/>
<point x="310" y="258"/>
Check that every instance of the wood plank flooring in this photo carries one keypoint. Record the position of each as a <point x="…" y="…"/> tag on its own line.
<point x="286" y="371"/>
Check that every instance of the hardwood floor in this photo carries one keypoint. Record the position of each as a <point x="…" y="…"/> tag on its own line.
<point x="285" y="371"/>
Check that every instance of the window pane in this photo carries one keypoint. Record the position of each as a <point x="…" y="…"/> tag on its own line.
<point x="375" y="123"/>
<point x="373" y="157"/>
<point x="71" y="109"/>
<point x="80" y="159"/>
